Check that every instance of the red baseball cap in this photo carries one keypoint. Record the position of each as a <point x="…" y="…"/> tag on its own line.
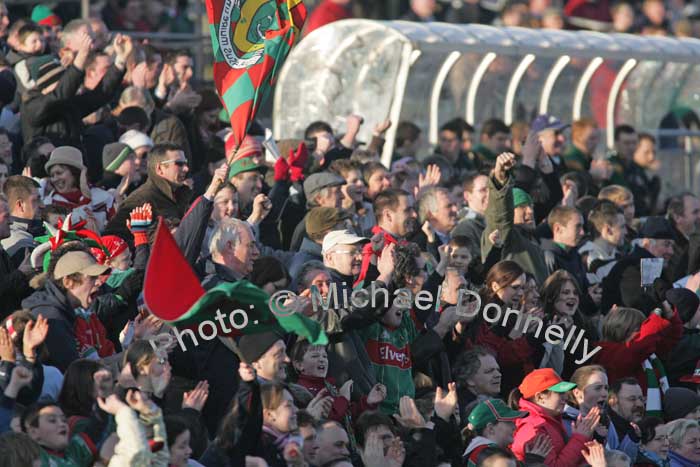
<point x="694" y="378"/>
<point x="543" y="379"/>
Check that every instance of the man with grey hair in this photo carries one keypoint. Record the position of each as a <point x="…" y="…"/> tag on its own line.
<point x="233" y="250"/>
<point x="437" y="212"/>
<point x="70" y="39"/>
<point x="615" y="458"/>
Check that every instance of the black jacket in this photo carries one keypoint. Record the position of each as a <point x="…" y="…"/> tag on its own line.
<point x="14" y="286"/>
<point x="677" y="266"/>
<point x="167" y="201"/>
<point x="682" y="359"/>
<point x="247" y="435"/>
<point x="53" y="304"/>
<point x="558" y="257"/>
<point x="61" y="112"/>
<point x="622" y="285"/>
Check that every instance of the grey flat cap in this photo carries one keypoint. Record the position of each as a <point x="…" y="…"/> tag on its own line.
<point x="319" y="181"/>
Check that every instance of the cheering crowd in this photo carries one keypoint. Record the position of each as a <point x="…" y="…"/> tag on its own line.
<point x="103" y="139"/>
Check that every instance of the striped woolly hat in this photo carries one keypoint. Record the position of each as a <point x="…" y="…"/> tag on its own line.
<point x="45" y="70"/>
<point x="44" y="16"/>
<point x="249" y="147"/>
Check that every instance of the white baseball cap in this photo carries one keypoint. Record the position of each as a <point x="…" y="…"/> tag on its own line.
<point x="340" y="237"/>
<point x="135" y="139"/>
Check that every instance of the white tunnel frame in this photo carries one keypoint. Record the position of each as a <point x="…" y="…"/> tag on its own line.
<point x="492" y="42"/>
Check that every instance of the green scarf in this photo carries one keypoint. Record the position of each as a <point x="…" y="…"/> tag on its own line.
<point x="657" y="385"/>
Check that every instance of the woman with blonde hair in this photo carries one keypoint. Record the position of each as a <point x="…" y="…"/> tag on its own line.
<point x="685" y="443"/>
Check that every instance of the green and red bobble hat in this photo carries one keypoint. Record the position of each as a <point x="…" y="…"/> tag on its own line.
<point x="521" y="197"/>
<point x="543" y="379"/>
<point x="44" y="16"/>
<point x="493" y="411"/>
<point x="245" y="164"/>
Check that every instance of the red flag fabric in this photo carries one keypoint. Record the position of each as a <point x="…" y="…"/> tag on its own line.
<point x="170" y="287"/>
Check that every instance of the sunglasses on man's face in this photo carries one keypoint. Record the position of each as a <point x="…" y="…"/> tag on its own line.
<point x="177" y="162"/>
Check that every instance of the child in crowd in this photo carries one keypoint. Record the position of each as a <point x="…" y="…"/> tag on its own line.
<point x="311" y="363"/>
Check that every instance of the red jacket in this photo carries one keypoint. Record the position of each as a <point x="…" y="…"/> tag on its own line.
<point x="90" y="334"/>
<point x="624" y="359"/>
<point x="564" y="453"/>
<point x="326" y="12"/>
<point x="341" y="405"/>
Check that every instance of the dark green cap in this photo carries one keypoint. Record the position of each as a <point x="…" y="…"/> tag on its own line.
<point x="521" y="197"/>
<point x="245" y="164"/>
<point x="493" y="411"/>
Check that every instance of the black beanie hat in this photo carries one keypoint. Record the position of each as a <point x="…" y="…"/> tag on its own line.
<point x="267" y="269"/>
<point x="679" y="402"/>
<point x="684" y="301"/>
<point x="254" y="346"/>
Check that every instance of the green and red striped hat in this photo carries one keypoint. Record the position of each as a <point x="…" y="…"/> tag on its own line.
<point x="44" y="16"/>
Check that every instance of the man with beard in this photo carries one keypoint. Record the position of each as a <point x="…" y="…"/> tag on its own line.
<point x="684" y="213"/>
<point x="478" y="377"/>
<point x="165" y="189"/>
<point x="396" y="220"/>
<point x="626" y="402"/>
<point x="621" y="286"/>
<point x="511" y="212"/>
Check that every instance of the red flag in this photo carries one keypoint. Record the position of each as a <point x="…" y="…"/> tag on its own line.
<point x="170" y="287"/>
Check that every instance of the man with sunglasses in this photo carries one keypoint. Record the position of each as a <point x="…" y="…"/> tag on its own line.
<point x="165" y="189"/>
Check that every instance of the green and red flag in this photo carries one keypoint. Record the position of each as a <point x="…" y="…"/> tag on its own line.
<point x="251" y="39"/>
<point x="173" y="293"/>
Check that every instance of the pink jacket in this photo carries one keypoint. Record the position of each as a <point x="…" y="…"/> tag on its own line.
<point x="564" y="453"/>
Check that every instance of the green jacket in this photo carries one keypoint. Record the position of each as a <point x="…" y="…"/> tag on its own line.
<point x="576" y="160"/>
<point x="79" y="453"/>
<point x="517" y="245"/>
<point x="618" y="175"/>
<point x="485" y="155"/>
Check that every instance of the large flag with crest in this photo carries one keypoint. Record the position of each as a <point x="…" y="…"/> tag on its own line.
<point x="251" y="39"/>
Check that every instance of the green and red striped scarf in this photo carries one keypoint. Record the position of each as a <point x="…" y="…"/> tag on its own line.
<point x="657" y="385"/>
<point x="251" y="39"/>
